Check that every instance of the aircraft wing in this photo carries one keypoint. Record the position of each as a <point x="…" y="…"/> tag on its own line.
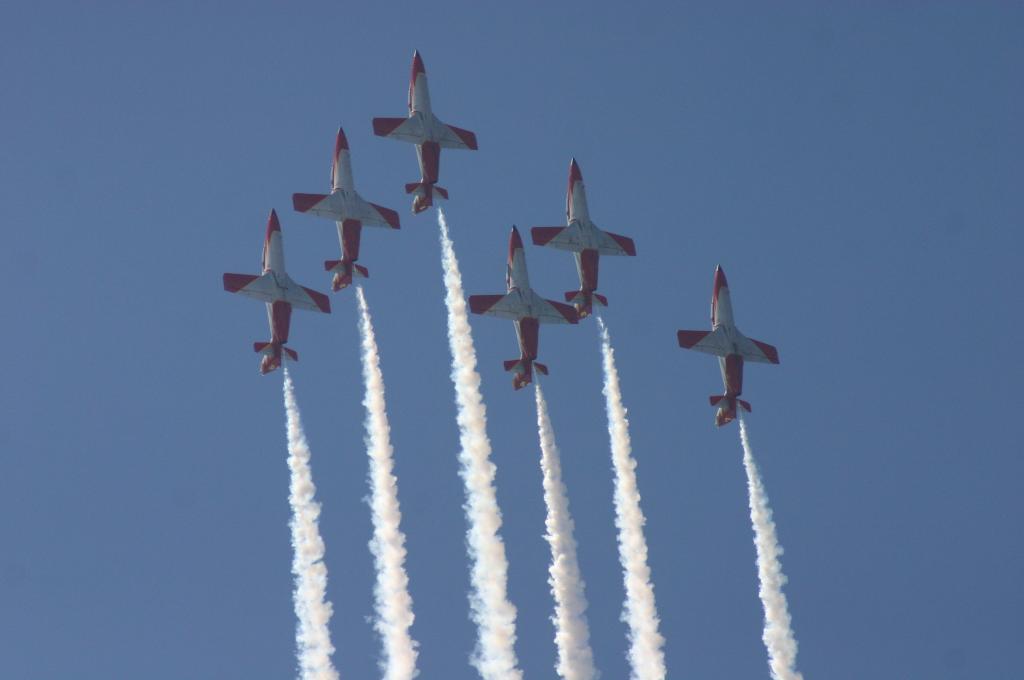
<point x="451" y="137"/>
<point x="571" y="238"/>
<point x="716" y="342"/>
<point x="404" y="129"/>
<point x="509" y="306"/>
<point x="709" y="342"/>
<point x="513" y="306"/>
<point x="302" y="297"/>
<point x="375" y="215"/>
<point x="760" y="352"/>
<point x="549" y="311"/>
<point x="613" y="244"/>
<point x="336" y="207"/>
<point x="259" y="287"/>
<point x="562" y="238"/>
<point x="267" y="289"/>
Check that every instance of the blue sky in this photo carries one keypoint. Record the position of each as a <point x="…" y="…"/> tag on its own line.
<point x="855" y="168"/>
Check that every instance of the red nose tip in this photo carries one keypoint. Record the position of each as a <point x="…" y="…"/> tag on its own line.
<point x="273" y="224"/>
<point x="341" y="142"/>
<point x="417" y="64"/>
<point x="720" y="281"/>
<point x="574" y="172"/>
<point x="514" y="242"/>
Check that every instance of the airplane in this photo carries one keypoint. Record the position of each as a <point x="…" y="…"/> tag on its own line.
<point x="527" y="309"/>
<point x="585" y="240"/>
<point x="280" y="293"/>
<point x="731" y="347"/>
<point x="349" y="210"/>
<point x="428" y="133"/>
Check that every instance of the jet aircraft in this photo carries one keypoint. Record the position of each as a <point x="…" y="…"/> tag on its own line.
<point x="428" y="133"/>
<point x="731" y="347"/>
<point x="585" y="240"/>
<point x="527" y="309"/>
<point x="349" y="210"/>
<point x="277" y="289"/>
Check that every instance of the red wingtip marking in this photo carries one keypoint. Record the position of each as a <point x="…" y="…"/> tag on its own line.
<point x="625" y="243"/>
<point x="570" y="313"/>
<point x="321" y="300"/>
<point x="389" y="215"/>
<point x="236" y="282"/>
<point x="305" y="202"/>
<point x="382" y="127"/>
<point x="688" y="339"/>
<point x="769" y="351"/>
<point x="417" y="64"/>
<point x="541" y="235"/>
<point x="478" y="304"/>
<point x="468" y="138"/>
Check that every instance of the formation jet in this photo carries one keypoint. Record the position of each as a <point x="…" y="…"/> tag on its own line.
<point x="585" y="240"/>
<point x="527" y="309"/>
<point x="428" y="133"/>
<point x="280" y="293"/>
<point x="349" y="210"/>
<point x="731" y="347"/>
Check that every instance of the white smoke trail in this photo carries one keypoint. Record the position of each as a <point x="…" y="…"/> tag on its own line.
<point x="312" y="636"/>
<point x="646" y="657"/>
<point x="778" y="632"/>
<point x="495" y="616"/>
<point x="391" y="592"/>
<point x="572" y="635"/>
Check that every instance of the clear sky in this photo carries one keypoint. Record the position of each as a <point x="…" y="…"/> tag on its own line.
<point x="855" y="167"/>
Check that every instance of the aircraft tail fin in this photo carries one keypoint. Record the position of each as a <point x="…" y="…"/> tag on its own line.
<point x="272" y="355"/>
<point x="726" y="412"/>
<point x="523" y="369"/>
<point x="583" y="301"/>
<point x="344" y="272"/>
<point x="424" y="193"/>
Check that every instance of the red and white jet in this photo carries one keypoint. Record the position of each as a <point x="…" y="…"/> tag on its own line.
<point x="280" y="293"/>
<point x="731" y="347"/>
<point x="428" y="133"/>
<point x="349" y="210"/>
<point x="586" y="241"/>
<point x="527" y="309"/>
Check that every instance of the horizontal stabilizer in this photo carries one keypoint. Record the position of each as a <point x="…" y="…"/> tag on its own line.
<point x="745" y="405"/>
<point x="541" y="367"/>
<point x="292" y="354"/>
<point x="511" y="364"/>
<point x="714" y="399"/>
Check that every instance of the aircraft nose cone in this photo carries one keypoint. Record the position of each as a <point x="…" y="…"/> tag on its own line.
<point x="417" y="64"/>
<point x="574" y="172"/>
<point x="273" y="224"/>
<point x="720" y="281"/>
<point x="514" y="241"/>
<point x="341" y="142"/>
